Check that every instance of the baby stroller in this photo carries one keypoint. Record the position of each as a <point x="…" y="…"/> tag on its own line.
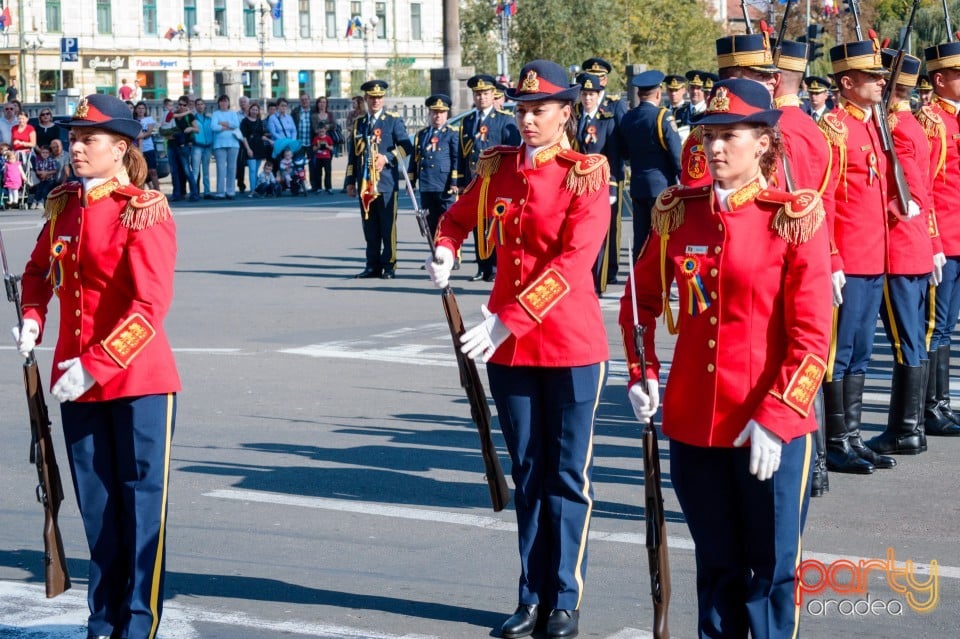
<point x="19" y="197"/>
<point x="298" y="179"/>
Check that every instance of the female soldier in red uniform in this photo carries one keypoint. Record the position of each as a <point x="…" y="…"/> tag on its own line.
<point x="107" y="251"/>
<point x="545" y="209"/>
<point x="753" y="268"/>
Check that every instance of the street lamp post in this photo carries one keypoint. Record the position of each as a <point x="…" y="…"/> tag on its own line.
<point x="369" y="31"/>
<point x="264" y="7"/>
<point x="33" y="41"/>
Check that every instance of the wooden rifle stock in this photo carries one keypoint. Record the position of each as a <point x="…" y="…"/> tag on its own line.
<point x="49" y="488"/>
<point x="658" y="557"/>
<point x="469" y="375"/>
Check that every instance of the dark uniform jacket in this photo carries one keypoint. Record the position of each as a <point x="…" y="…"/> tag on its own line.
<point x="599" y="135"/>
<point x="435" y="159"/>
<point x="650" y="141"/>
<point x="499" y="127"/>
<point x="390" y="138"/>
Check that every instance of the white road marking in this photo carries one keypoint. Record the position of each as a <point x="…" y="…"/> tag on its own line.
<point x="492" y="523"/>
<point x="27" y="614"/>
<point x="631" y="633"/>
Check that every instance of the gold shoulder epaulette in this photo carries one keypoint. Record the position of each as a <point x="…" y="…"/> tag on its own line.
<point x="489" y="160"/>
<point x="931" y="122"/>
<point x="57" y="199"/>
<point x="799" y="215"/>
<point x="588" y="174"/>
<point x="892" y="120"/>
<point x="668" y="211"/>
<point x="393" y="114"/>
<point x="505" y="112"/>
<point x="834" y="129"/>
<point x="144" y="208"/>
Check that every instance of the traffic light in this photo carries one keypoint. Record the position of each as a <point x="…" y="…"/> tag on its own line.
<point x="815" y="50"/>
<point x="814" y="31"/>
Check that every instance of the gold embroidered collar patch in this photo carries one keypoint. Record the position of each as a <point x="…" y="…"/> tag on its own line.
<point x="855" y="111"/>
<point x="103" y="190"/>
<point x="745" y="193"/>
<point x="543" y="156"/>
<point x="946" y="106"/>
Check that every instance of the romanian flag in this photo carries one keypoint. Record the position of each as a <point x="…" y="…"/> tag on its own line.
<point x="353" y="24"/>
<point x="5" y="20"/>
<point x="170" y="34"/>
<point x="507" y="7"/>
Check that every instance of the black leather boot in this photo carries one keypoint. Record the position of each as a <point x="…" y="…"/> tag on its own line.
<point x="927" y="378"/>
<point x="820" y="482"/>
<point x="852" y="410"/>
<point x="521" y="623"/>
<point x="841" y="458"/>
<point x="948" y="423"/>
<point x="903" y="421"/>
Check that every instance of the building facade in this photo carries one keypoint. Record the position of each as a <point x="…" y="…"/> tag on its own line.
<point x="281" y="47"/>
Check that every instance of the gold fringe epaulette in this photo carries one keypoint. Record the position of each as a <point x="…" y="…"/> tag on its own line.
<point x="589" y="173"/>
<point x="936" y="132"/>
<point x="668" y="211"/>
<point x="57" y="199"/>
<point x="834" y="129"/>
<point x="489" y="160"/>
<point x="800" y="215"/>
<point x="892" y="120"/>
<point x="144" y="208"/>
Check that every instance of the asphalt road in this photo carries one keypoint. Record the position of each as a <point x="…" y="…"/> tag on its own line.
<point x="327" y="480"/>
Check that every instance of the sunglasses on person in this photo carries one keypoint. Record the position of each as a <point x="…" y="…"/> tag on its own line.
<point x="45" y="113"/>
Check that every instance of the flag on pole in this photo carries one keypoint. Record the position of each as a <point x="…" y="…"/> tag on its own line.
<point x="171" y="33"/>
<point x="353" y="24"/>
<point x="507" y="7"/>
<point x="5" y="20"/>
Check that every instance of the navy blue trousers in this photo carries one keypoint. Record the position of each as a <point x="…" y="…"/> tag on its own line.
<point x="642" y="207"/>
<point x="904" y="304"/>
<point x="946" y="304"/>
<point x="119" y="452"/>
<point x="747" y="534"/>
<point x="380" y="232"/>
<point x="854" y="325"/>
<point x="547" y="416"/>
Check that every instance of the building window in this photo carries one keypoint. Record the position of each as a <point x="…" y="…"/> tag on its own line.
<point x="356" y="10"/>
<point x="150" y="17"/>
<point x="220" y="17"/>
<point x="277" y="26"/>
<point x="50" y="83"/>
<point x="249" y="22"/>
<point x="305" y="19"/>
<point x="381" y="11"/>
<point x="53" y="15"/>
<point x="330" y="13"/>
<point x="104" y="17"/>
<point x="416" y="32"/>
<point x="189" y="15"/>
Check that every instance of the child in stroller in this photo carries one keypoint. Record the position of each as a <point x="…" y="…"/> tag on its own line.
<point x="14" y="182"/>
<point x="293" y="172"/>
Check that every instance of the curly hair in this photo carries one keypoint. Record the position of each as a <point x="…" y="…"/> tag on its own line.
<point x="768" y="161"/>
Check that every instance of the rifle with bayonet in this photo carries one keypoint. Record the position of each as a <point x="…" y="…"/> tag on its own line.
<point x="883" y="126"/>
<point x="783" y="23"/>
<point x="469" y="375"/>
<point x="657" y="555"/>
<point x="787" y="172"/>
<point x="49" y="487"/>
<point x="746" y="16"/>
<point x="946" y="18"/>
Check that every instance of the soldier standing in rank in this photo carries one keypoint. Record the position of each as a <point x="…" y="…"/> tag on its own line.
<point x="597" y="133"/>
<point x="860" y="237"/>
<point x="650" y="142"/>
<point x="500" y="98"/>
<point x="608" y="103"/>
<point x="819" y="103"/>
<point x="804" y="164"/>
<point x="435" y="153"/>
<point x="924" y="89"/>
<point x="676" y="86"/>
<point x="911" y="257"/>
<point x="940" y="122"/>
<point x="696" y="104"/>
<point x="485" y="127"/>
<point x="380" y="142"/>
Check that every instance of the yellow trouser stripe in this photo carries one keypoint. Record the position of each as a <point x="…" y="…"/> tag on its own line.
<point x="586" y="488"/>
<point x="931" y="316"/>
<point x="155" y="593"/>
<point x="393" y="230"/>
<point x="832" y="355"/>
<point x="892" y="323"/>
<point x="803" y="489"/>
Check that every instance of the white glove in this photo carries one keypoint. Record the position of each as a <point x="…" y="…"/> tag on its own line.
<point x="613" y="200"/>
<point x="439" y="270"/>
<point x="26" y="338"/>
<point x="912" y="210"/>
<point x="483" y="339"/>
<point x="839" y="279"/>
<point x="764" y="449"/>
<point x="645" y="400"/>
<point x="74" y="383"/>
<point x="936" y="277"/>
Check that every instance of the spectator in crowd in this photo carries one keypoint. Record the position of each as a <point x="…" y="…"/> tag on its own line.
<point x="322" y="160"/>
<point x="280" y="125"/>
<point x="322" y="117"/>
<point x="225" y="125"/>
<point x="13" y="178"/>
<point x="47" y="129"/>
<point x="148" y="126"/>
<point x="64" y="169"/>
<point x="48" y="172"/>
<point x="358" y="108"/>
<point x="23" y="137"/>
<point x="202" y="147"/>
<point x="255" y="144"/>
<point x="243" y="103"/>
<point x="137" y="90"/>
<point x="12" y="92"/>
<point x="303" y="118"/>
<point x="125" y="92"/>
<point x="285" y="172"/>
<point x="184" y="119"/>
<point x="7" y="122"/>
<point x="130" y="104"/>
<point x="271" y="109"/>
<point x="267" y="184"/>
